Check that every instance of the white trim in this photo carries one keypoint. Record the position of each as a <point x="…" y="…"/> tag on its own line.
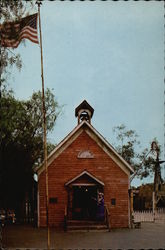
<point x="83" y="184"/>
<point x="81" y="174"/>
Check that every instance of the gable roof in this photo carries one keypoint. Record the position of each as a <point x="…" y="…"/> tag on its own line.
<point x="84" y="173"/>
<point x="96" y="136"/>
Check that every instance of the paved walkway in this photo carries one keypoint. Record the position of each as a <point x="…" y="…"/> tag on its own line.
<point x="150" y="236"/>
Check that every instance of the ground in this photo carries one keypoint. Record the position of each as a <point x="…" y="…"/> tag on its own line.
<point x="150" y="236"/>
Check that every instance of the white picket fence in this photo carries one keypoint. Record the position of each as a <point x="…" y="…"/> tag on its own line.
<point x="149" y="216"/>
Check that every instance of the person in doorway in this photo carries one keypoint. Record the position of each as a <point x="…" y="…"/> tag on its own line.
<point x="93" y="208"/>
<point x="100" y="206"/>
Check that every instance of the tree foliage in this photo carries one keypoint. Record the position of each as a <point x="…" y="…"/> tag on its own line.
<point x="143" y="161"/>
<point x="11" y="10"/>
<point x="128" y="140"/>
<point x="21" y="142"/>
<point x="21" y="133"/>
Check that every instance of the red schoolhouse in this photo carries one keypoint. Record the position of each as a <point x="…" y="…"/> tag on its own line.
<point x="88" y="180"/>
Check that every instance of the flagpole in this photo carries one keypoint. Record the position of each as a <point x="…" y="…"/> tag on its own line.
<point x="44" y="132"/>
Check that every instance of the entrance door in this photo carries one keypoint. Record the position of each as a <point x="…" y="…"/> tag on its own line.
<point x="84" y="202"/>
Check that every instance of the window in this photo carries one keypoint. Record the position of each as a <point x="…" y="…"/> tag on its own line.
<point x="113" y="201"/>
<point x="53" y="200"/>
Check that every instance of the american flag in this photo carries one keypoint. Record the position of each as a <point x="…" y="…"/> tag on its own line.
<point x="12" y="33"/>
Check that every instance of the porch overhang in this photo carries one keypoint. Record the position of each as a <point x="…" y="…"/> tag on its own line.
<point x="79" y="180"/>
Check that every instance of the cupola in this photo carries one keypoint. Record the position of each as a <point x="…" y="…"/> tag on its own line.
<point x="84" y="112"/>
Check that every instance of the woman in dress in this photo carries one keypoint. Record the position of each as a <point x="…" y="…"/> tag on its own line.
<point x="100" y="206"/>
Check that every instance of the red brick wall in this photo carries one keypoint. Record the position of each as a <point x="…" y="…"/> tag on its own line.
<point x="67" y="166"/>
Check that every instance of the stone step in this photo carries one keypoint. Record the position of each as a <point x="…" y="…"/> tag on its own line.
<point x="85" y="222"/>
<point x="86" y="226"/>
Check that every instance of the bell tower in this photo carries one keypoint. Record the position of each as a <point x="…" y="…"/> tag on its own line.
<point x="84" y="112"/>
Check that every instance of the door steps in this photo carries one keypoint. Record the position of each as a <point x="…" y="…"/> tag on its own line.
<point x="80" y="225"/>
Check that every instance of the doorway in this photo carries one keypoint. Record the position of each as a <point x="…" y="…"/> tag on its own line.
<point x="83" y="197"/>
<point x="84" y="202"/>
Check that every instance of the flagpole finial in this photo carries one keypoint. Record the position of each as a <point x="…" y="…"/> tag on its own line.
<point x="39" y="3"/>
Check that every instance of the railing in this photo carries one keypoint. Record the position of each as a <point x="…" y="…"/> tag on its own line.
<point x="107" y="217"/>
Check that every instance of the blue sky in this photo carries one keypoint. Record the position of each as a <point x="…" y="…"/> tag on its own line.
<point x="109" y="53"/>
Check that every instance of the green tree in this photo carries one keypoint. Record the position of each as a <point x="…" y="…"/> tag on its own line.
<point x="12" y="10"/>
<point x="128" y="140"/>
<point x="143" y="161"/>
<point x="21" y="143"/>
